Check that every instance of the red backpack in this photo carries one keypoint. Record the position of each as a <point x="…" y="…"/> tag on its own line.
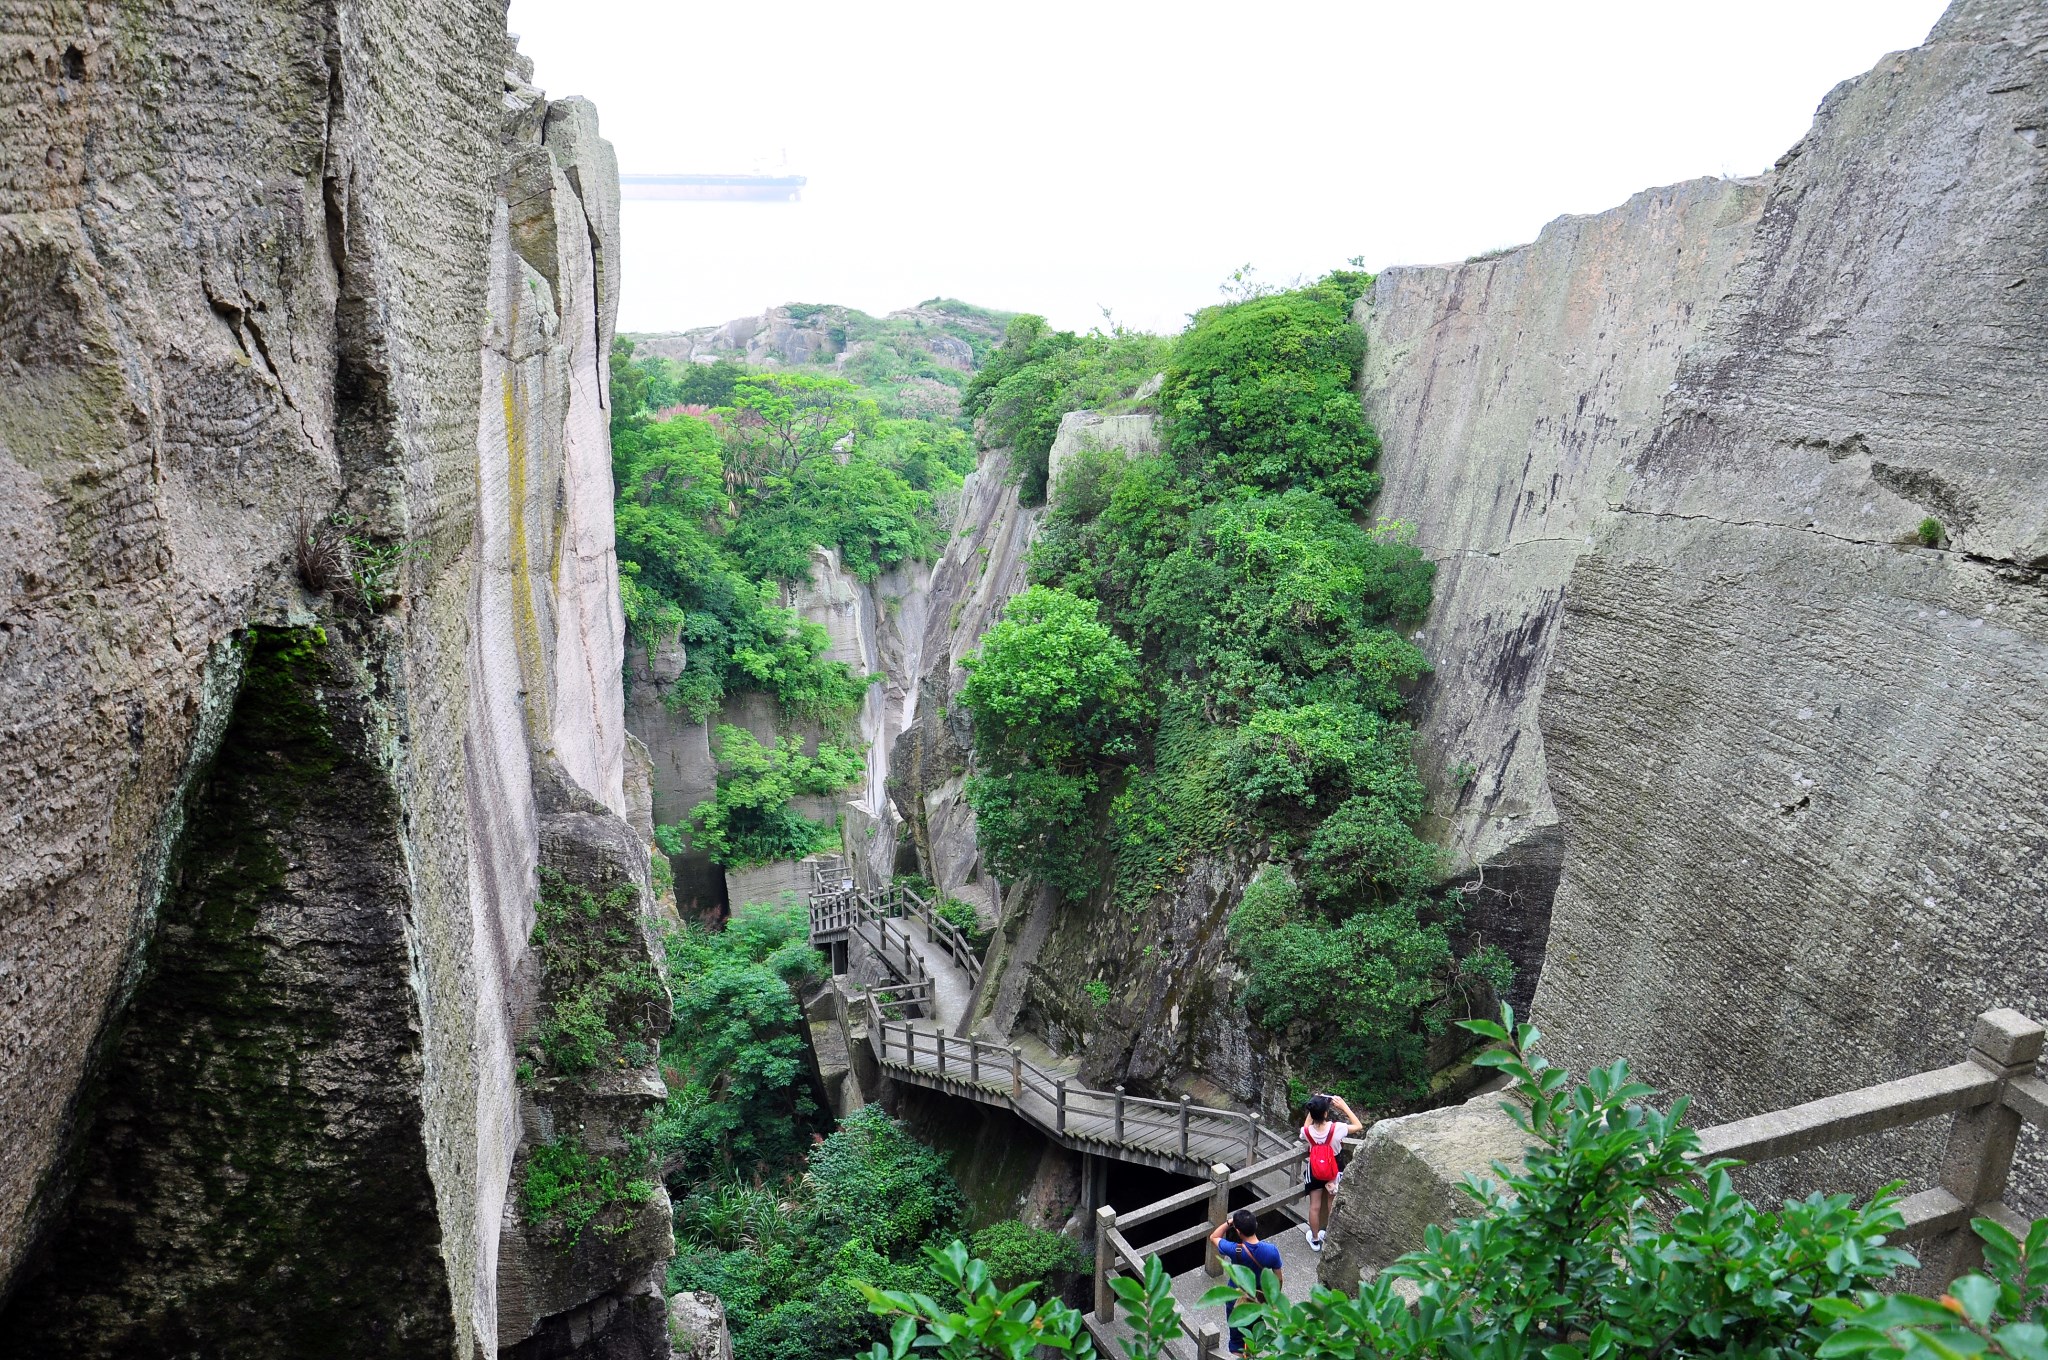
<point x="1322" y="1157"/>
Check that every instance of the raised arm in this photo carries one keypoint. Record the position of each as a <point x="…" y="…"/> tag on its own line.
<point x="1349" y="1117"/>
<point x="1216" y="1237"/>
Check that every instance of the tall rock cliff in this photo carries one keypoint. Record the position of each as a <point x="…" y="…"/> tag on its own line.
<point x="1783" y="759"/>
<point x="274" y="278"/>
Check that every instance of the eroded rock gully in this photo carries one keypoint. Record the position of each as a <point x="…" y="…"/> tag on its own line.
<point x="272" y="853"/>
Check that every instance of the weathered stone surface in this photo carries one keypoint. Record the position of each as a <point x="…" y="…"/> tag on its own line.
<point x="696" y="1324"/>
<point x="1510" y="393"/>
<point x="1130" y="434"/>
<point x="1796" y="756"/>
<point x="257" y="268"/>
<point x="1407" y="1174"/>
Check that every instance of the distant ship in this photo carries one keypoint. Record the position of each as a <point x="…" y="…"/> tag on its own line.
<point x="728" y="188"/>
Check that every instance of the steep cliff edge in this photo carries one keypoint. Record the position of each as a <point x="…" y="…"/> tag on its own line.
<point x="1511" y="393"/>
<point x="1797" y="755"/>
<point x="1780" y="759"/>
<point x="268" y="282"/>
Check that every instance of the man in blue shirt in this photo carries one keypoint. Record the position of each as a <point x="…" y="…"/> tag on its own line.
<point x="1236" y="1240"/>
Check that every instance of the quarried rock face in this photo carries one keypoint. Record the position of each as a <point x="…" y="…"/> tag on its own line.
<point x="306" y="587"/>
<point x="1697" y="663"/>
<point x="1798" y="755"/>
<point x="1511" y="393"/>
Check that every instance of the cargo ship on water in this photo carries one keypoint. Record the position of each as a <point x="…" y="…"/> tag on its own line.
<point x="714" y="188"/>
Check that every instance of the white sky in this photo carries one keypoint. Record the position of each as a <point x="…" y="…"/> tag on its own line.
<point x="1064" y="157"/>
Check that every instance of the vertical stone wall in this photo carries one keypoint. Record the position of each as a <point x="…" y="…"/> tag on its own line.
<point x="273" y="273"/>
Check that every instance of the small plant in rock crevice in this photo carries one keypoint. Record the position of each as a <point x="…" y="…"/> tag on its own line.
<point x="569" y="1189"/>
<point x="1929" y="533"/>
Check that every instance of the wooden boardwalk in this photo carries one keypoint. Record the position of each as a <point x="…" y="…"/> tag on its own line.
<point x="913" y="1028"/>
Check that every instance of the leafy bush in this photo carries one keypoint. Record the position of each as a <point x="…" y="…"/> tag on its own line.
<point x="1994" y="1313"/>
<point x="990" y="1322"/>
<point x="749" y="820"/>
<point x="734" y="1057"/>
<point x="1266" y="622"/>
<point x="1038" y="375"/>
<point x="785" y="1259"/>
<point x="567" y="1189"/>
<point x="1261" y="393"/>
<point x="1055" y="697"/>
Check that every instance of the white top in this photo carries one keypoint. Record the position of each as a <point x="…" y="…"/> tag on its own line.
<point x="1332" y="1134"/>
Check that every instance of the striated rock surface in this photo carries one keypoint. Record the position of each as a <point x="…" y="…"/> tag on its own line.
<point x="1797" y="756"/>
<point x="1511" y="393"/>
<point x="1780" y="760"/>
<point x="269" y="280"/>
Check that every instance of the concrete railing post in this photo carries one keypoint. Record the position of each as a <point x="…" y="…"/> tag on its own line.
<point x="974" y="1062"/>
<point x="1210" y="1343"/>
<point x="1059" y="1107"/>
<point x="1185" y="1101"/>
<point x="939" y="1042"/>
<point x="1119" y="1114"/>
<point x="1105" y="1262"/>
<point x="1978" y="1156"/>
<point x="1219" y="1205"/>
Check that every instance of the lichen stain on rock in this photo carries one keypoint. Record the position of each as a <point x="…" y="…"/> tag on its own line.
<point x="253" y="1180"/>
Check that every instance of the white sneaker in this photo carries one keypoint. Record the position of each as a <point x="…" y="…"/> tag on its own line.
<point x="1317" y="1240"/>
<point x="1309" y="1233"/>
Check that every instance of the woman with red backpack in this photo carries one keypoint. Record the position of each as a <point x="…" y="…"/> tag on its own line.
<point x="1325" y="1138"/>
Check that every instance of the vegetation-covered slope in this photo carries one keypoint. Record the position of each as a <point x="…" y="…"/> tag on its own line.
<point x="1211" y="658"/>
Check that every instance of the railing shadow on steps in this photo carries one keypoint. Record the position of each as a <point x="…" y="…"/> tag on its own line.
<point x="1986" y="1097"/>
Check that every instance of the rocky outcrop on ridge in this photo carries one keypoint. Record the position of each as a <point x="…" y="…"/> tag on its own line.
<point x="1782" y="756"/>
<point x="275" y="805"/>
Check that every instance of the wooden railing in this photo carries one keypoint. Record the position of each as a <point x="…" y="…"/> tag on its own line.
<point x="1115" y="1252"/>
<point x="837" y="910"/>
<point x="977" y="1062"/>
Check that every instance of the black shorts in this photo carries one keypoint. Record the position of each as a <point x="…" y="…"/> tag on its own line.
<point x="1309" y="1182"/>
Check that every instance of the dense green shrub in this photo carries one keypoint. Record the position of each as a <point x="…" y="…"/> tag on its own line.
<point x="784" y="1259"/>
<point x="1267" y="623"/>
<point x="601" y="1002"/>
<point x="1055" y="697"/>
<point x="1018" y="1255"/>
<point x="734" y="1058"/>
<point x="567" y="1189"/>
<point x="1261" y="393"/>
<point x="748" y="820"/>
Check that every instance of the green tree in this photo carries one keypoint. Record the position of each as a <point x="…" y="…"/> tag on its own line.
<point x="749" y="820"/>
<point x="1055" y="697"/>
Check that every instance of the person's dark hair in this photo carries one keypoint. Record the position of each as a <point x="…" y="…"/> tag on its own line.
<point x="1244" y="1223"/>
<point x="1319" y="1108"/>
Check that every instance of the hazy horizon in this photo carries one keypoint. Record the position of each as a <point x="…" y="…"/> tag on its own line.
<point x="1072" y="158"/>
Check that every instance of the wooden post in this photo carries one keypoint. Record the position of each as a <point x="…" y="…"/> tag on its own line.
<point x="1016" y="1072"/>
<point x="1059" y="1107"/>
<point x="1119" y="1114"/>
<point x="1251" y="1140"/>
<point x="974" y="1062"/>
<point x="1978" y="1157"/>
<point x="1219" y="1205"/>
<point x="1185" y="1101"/>
<point x="939" y="1040"/>
<point x="1105" y="1261"/>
